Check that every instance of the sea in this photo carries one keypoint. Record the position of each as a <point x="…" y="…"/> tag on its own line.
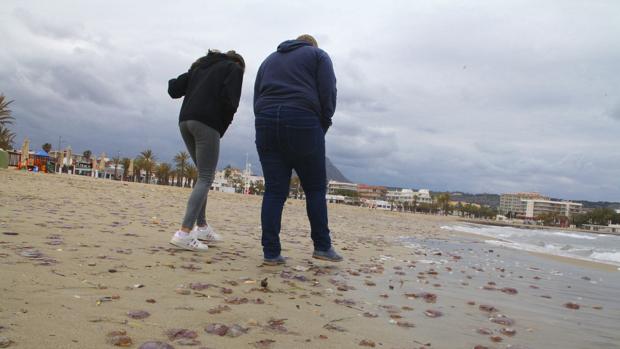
<point x="602" y="248"/>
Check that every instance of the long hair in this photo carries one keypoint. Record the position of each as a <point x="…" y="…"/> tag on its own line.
<point x="237" y="58"/>
<point x="201" y="60"/>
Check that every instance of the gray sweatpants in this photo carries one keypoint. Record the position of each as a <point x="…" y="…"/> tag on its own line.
<point x="203" y="145"/>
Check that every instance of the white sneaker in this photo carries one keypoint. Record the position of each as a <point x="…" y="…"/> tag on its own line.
<point x="206" y="233"/>
<point x="188" y="242"/>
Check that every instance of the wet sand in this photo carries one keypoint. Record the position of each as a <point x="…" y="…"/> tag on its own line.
<point x="81" y="258"/>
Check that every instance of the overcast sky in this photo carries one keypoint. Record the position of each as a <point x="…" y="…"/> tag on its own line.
<point x="478" y="96"/>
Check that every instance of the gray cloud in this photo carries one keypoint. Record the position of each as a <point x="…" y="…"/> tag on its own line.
<point x="614" y="113"/>
<point x="482" y="97"/>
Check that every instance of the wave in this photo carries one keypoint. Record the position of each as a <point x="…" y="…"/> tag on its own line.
<point x="566" y="244"/>
<point x="600" y="257"/>
<point x="607" y="256"/>
<point x="575" y="236"/>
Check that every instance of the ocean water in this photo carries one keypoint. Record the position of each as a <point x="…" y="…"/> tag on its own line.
<point x="467" y="269"/>
<point x="602" y="248"/>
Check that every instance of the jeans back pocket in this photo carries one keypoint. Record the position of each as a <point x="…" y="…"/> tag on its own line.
<point x="303" y="140"/>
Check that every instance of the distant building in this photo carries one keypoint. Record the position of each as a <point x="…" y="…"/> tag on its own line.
<point x="611" y="228"/>
<point x="512" y="204"/>
<point x="371" y="192"/>
<point x="335" y="199"/>
<point x="424" y="196"/>
<point x="409" y="196"/>
<point x="334" y="187"/>
<point x="536" y="207"/>
<point x="376" y="204"/>
<point x="400" y="195"/>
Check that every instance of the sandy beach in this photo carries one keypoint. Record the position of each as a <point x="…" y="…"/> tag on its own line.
<point x="86" y="263"/>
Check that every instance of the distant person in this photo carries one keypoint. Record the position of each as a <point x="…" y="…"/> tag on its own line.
<point x="294" y="101"/>
<point x="212" y="88"/>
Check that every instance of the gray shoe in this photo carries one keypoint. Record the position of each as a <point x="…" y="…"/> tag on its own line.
<point x="279" y="260"/>
<point x="329" y="255"/>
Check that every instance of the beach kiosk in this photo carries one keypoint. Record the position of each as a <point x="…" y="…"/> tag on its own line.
<point x="39" y="161"/>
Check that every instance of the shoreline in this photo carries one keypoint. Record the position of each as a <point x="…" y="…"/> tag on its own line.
<point x="608" y="267"/>
<point x="532" y="226"/>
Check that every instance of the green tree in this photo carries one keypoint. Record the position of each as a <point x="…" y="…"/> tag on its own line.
<point x="126" y="163"/>
<point x="137" y="169"/>
<point x="443" y="200"/>
<point x="549" y="218"/>
<point x="6" y="135"/>
<point x="87" y="154"/>
<point x="295" y="187"/>
<point x="5" y="112"/>
<point x="148" y="163"/>
<point x="227" y="171"/>
<point x="6" y="138"/>
<point x="116" y="160"/>
<point x="346" y="192"/>
<point x="47" y="147"/>
<point x="259" y="188"/>
<point x="180" y="161"/>
<point x="163" y="173"/>
<point x="192" y="175"/>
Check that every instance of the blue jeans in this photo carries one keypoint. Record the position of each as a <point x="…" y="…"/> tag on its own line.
<point x="288" y="139"/>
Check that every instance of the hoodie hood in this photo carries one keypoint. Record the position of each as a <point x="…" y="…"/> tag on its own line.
<point x="290" y="45"/>
<point x="211" y="58"/>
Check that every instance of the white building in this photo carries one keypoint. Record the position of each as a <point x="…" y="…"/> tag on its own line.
<point x="335" y="186"/>
<point x="402" y="195"/>
<point x="220" y="183"/>
<point x="536" y="207"/>
<point x="335" y="199"/>
<point x="424" y="196"/>
<point x="408" y="195"/>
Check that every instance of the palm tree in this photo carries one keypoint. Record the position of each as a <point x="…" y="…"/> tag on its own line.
<point x="148" y="163"/>
<point x="87" y="154"/>
<point x="116" y="161"/>
<point x="47" y="147"/>
<point x="443" y="200"/>
<point x="6" y="136"/>
<point x="126" y="162"/>
<point x="5" y="112"/>
<point x="163" y="173"/>
<point x="180" y="161"/>
<point x="138" y="165"/>
<point x="192" y="175"/>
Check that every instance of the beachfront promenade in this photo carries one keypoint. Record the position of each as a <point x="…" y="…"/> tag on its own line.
<point x="86" y="263"/>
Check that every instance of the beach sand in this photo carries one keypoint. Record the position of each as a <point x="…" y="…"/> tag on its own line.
<point x="81" y="258"/>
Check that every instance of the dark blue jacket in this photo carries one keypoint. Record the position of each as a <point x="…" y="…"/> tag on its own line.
<point x="297" y="75"/>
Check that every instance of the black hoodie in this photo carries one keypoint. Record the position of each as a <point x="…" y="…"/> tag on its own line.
<point x="212" y="88"/>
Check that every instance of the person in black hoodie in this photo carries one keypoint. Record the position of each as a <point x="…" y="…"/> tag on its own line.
<point x="294" y="101"/>
<point x="212" y="89"/>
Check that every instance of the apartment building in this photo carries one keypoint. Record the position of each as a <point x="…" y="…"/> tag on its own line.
<point x="512" y="203"/>
<point x="536" y="207"/>
<point x="334" y="187"/>
<point x="408" y="195"/>
<point x="372" y="192"/>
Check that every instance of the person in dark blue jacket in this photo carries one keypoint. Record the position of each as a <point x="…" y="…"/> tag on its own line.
<point x="294" y="101"/>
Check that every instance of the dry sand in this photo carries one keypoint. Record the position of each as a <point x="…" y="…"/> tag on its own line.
<point x="78" y="256"/>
